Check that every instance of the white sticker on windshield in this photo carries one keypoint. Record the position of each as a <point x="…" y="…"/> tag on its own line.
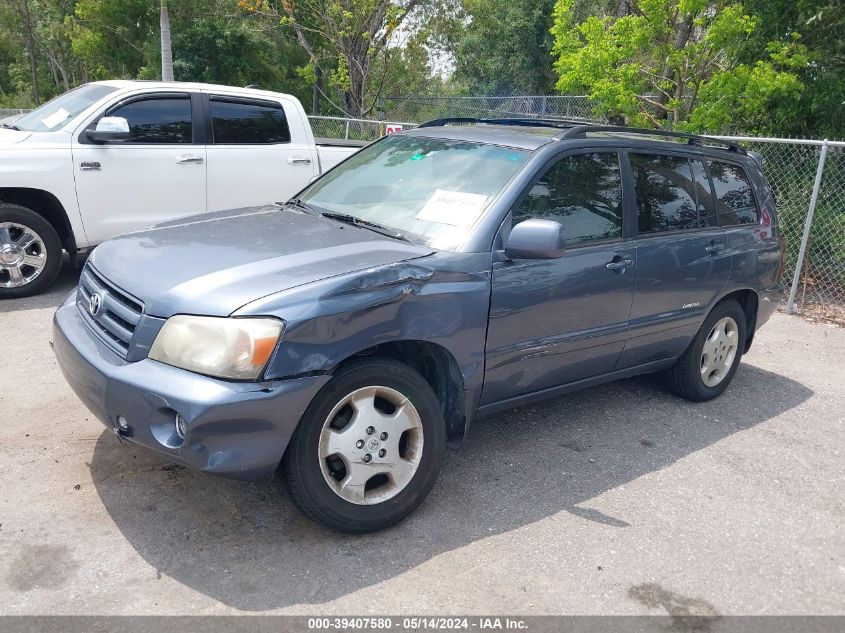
<point x="54" y="119"/>
<point x="454" y="208"/>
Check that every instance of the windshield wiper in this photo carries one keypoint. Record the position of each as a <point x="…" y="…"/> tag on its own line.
<point x="10" y="126"/>
<point x="375" y="227"/>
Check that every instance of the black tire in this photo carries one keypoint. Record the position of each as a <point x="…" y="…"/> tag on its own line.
<point x="53" y="250"/>
<point x="685" y="376"/>
<point x="302" y="463"/>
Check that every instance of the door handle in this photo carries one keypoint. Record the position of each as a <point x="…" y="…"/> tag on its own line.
<point x="619" y="264"/>
<point x="714" y="247"/>
<point x="298" y="160"/>
<point x="189" y="159"/>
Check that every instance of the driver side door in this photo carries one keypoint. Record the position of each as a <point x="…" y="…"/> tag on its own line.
<point x="556" y="321"/>
<point x="158" y="174"/>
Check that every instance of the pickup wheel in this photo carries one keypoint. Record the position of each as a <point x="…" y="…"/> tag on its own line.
<point x="369" y="447"/>
<point x="710" y="362"/>
<point x="30" y="252"/>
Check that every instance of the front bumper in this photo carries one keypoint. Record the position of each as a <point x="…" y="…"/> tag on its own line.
<point x="234" y="429"/>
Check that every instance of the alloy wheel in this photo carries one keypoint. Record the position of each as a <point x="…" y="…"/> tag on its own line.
<point x="719" y="351"/>
<point x="23" y="255"/>
<point x="371" y="445"/>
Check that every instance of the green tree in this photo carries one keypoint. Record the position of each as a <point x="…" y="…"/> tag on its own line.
<point x="504" y="48"/>
<point x="351" y="44"/>
<point x="677" y="63"/>
<point x="820" y="108"/>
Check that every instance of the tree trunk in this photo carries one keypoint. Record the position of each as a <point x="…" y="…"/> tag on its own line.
<point x="315" y="92"/>
<point x="30" y="50"/>
<point x="681" y="38"/>
<point x="166" y="53"/>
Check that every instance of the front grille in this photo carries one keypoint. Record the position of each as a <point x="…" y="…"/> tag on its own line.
<point x="118" y="313"/>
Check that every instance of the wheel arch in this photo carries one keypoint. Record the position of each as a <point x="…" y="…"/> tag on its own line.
<point x="47" y="206"/>
<point x="748" y="300"/>
<point x="441" y="371"/>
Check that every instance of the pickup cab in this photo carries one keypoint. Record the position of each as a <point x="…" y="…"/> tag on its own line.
<point x="115" y="156"/>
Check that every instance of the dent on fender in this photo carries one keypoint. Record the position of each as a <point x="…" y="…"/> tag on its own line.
<point x="416" y="300"/>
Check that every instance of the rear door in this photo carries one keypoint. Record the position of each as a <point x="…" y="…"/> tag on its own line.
<point x="258" y="153"/>
<point x="158" y="174"/>
<point x="682" y="257"/>
<point x="555" y="321"/>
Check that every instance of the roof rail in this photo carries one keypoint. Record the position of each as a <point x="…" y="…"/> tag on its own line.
<point x="581" y="131"/>
<point x="525" y="122"/>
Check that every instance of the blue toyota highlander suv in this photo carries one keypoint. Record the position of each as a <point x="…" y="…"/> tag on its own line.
<point x="440" y="274"/>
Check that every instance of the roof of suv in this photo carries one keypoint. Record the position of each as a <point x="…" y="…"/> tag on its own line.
<point x="530" y="134"/>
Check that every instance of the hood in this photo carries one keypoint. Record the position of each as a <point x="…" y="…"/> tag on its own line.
<point x="215" y="263"/>
<point x="13" y="137"/>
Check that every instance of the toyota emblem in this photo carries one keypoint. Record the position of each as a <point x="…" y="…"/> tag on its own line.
<point x="94" y="305"/>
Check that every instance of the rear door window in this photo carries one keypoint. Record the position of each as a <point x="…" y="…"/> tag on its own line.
<point x="244" y="122"/>
<point x="666" y="198"/>
<point x="583" y="193"/>
<point x="735" y="202"/>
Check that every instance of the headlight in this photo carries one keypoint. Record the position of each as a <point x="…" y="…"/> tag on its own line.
<point x="222" y="347"/>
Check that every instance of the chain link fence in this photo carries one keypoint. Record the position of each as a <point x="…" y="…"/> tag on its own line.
<point x="10" y="114"/>
<point x="353" y="129"/>
<point x="427" y="108"/>
<point x="808" y="179"/>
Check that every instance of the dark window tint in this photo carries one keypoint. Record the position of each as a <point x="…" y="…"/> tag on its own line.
<point x="242" y="122"/>
<point x="734" y="199"/>
<point x="703" y="195"/>
<point x="158" y="120"/>
<point x="583" y="193"/>
<point x="665" y="193"/>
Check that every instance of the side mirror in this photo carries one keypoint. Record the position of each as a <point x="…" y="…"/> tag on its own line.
<point x="536" y="239"/>
<point x="110" y="128"/>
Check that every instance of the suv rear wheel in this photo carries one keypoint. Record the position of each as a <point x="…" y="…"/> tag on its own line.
<point x="369" y="447"/>
<point x="710" y="362"/>
<point x="30" y="252"/>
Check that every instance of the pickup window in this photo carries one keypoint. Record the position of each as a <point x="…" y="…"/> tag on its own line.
<point x="165" y="120"/>
<point x="246" y="122"/>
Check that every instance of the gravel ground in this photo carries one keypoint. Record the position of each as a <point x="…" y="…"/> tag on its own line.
<point x="619" y="499"/>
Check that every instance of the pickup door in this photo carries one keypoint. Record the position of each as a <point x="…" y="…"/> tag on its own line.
<point x="260" y="151"/>
<point x="157" y="174"/>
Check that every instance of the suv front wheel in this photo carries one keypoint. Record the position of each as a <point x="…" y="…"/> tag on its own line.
<point x="369" y="447"/>
<point x="710" y="362"/>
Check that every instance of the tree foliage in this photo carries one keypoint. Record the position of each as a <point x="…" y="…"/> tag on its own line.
<point x="678" y="63"/>
<point x="352" y="44"/>
<point x="504" y="48"/>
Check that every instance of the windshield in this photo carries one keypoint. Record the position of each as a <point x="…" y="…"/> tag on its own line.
<point x="430" y="190"/>
<point x="54" y="114"/>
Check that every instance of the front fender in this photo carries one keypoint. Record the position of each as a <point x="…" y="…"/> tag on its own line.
<point x="442" y="299"/>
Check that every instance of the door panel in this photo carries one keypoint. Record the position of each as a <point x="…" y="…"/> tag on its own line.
<point x="554" y="321"/>
<point x="256" y="156"/>
<point x="156" y="175"/>
<point x="682" y="257"/>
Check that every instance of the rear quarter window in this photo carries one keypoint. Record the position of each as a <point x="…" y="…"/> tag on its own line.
<point x="735" y="203"/>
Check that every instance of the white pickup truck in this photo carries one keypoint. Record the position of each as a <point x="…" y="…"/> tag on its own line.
<point x="113" y="156"/>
